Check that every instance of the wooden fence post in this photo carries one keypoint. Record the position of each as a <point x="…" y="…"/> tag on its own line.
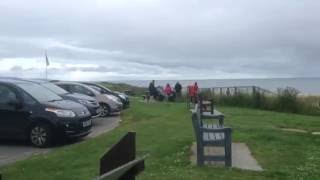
<point x="212" y="106"/>
<point x="201" y="104"/>
<point x="228" y="92"/>
<point x="254" y="90"/>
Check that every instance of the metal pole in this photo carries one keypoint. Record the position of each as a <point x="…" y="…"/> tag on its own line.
<point x="46" y="71"/>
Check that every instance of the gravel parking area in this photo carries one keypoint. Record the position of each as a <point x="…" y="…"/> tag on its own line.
<point x="12" y="151"/>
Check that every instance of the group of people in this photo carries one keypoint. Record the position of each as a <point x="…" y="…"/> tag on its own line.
<point x="160" y="93"/>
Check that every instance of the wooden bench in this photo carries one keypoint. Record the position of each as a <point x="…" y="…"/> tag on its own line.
<point x="206" y="105"/>
<point x="120" y="172"/>
<point x="211" y="133"/>
<point x="120" y="161"/>
<point x="208" y="115"/>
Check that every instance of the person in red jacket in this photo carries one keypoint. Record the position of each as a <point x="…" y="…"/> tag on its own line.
<point x="193" y="91"/>
<point x="168" y="90"/>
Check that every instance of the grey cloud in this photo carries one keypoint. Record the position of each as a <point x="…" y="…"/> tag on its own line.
<point x="179" y="38"/>
<point x="16" y="68"/>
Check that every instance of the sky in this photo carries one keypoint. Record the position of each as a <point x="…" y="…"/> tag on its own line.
<point x="108" y="40"/>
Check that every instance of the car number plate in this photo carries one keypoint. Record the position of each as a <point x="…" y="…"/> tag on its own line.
<point x="86" y="123"/>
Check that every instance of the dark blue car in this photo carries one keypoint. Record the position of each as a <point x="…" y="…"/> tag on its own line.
<point x="31" y="112"/>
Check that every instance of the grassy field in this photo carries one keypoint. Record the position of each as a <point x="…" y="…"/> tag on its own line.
<point x="122" y="87"/>
<point x="164" y="132"/>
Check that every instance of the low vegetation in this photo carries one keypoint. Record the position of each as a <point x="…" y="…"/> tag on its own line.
<point x="122" y="87"/>
<point x="164" y="131"/>
<point x="285" y="100"/>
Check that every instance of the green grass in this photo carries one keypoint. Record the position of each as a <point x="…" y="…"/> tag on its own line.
<point x="122" y="87"/>
<point x="164" y="131"/>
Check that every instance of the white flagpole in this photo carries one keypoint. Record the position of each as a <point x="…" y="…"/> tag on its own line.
<point x="46" y="72"/>
<point x="46" y="65"/>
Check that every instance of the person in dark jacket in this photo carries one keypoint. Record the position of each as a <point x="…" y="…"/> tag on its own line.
<point x="152" y="89"/>
<point x="178" y="89"/>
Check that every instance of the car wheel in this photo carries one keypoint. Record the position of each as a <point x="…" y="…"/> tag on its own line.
<point x="40" y="135"/>
<point x="105" y="110"/>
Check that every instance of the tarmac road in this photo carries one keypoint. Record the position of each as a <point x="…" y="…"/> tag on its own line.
<point x="12" y="151"/>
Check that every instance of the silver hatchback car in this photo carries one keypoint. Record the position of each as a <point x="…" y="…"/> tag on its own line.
<point x="108" y="103"/>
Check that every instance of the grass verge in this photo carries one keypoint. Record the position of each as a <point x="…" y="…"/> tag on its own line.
<point x="164" y="132"/>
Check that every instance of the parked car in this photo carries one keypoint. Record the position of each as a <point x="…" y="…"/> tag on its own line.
<point x="104" y="90"/>
<point x="31" y="112"/>
<point x="89" y="102"/>
<point x="109" y="104"/>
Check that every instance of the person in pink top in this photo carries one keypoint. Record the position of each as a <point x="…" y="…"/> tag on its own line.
<point x="168" y="90"/>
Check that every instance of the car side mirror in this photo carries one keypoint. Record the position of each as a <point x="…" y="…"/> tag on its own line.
<point x="15" y="103"/>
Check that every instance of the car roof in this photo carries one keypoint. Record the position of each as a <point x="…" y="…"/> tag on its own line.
<point x="90" y="84"/>
<point x="69" y="82"/>
<point x="38" y="81"/>
<point x="96" y="84"/>
<point x="76" y="83"/>
<point x="14" y="80"/>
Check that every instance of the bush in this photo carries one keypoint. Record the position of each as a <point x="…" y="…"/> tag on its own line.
<point x="286" y="100"/>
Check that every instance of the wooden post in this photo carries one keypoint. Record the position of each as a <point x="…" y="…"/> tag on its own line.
<point x="228" y="92"/>
<point x="188" y="100"/>
<point x="228" y="149"/>
<point x="201" y="104"/>
<point x="254" y="90"/>
<point x="122" y="153"/>
<point x="212" y="106"/>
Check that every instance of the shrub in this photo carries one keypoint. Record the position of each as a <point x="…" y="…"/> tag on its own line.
<point x="286" y="100"/>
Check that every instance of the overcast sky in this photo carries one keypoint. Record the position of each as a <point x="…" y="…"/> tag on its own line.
<point x="160" y="39"/>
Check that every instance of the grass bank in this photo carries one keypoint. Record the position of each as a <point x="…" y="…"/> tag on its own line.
<point x="122" y="87"/>
<point x="164" y="131"/>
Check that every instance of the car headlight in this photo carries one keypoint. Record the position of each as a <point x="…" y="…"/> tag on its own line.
<point x="61" y="112"/>
<point x="84" y="102"/>
<point x="122" y="96"/>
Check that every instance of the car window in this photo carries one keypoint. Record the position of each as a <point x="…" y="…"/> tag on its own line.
<point x="100" y="89"/>
<point x="65" y="87"/>
<point x="81" y="90"/>
<point x="38" y="92"/>
<point x="6" y="95"/>
<point x="97" y="89"/>
<point x="54" y="88"/>
<point x="27" y="99"/>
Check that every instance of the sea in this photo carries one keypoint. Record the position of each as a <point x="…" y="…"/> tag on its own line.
<point x="306" y="86"/>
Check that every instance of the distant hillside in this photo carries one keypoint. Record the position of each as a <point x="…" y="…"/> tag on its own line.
<point x="122" y="87"/>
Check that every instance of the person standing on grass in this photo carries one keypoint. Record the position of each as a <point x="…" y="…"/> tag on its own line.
<point x="178" y="89"/>
<point x="194" y="90"/>
<point x="152" y="89"/>
<point x="168" y="90"/>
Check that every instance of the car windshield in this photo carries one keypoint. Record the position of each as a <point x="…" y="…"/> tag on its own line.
<point x="40" y="93"/>
<point x="97" y="89"/>
<point x="107" y="89"/>
<point x="101" y="90"/>
<point x="54" y="88"/>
